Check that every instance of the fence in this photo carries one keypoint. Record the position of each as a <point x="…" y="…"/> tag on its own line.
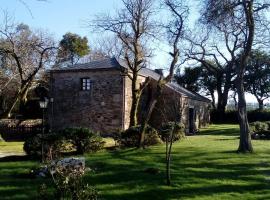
<point x="19" y="133"/>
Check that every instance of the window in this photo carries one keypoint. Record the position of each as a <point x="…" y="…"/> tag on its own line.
<point x="85" y="84"/>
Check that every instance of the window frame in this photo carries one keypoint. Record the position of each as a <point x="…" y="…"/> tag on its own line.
<point x="86" y="84"/>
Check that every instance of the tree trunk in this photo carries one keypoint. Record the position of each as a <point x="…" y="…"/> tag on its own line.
<point x="213" y="100"/>
<point x="135" y="102"/>
<point x="168" y="163"/>
<point x="235" y="101"/>
<point x="168" y="171"/>
<point x="223" y="93"/>
<point x="153" y="102"/>
<point x="221" y="105"/>
<point x="134" y="110"/>
<point x="261" y="106"/>
<point x="145" y="121"/>
<point x="18" y="97"/>
<point x="7" y="113"/>
<point x="245" y="138"/>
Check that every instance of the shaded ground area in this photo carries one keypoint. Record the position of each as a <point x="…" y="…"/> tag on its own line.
<point x="203" y="167"/>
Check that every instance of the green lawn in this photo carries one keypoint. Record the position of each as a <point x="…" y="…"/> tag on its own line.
<point x="203" y="167"/>
<point x="11" y="147"/>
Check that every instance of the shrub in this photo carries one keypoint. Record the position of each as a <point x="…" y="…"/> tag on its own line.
<point x="67" y="181"/>
<point x="131" y="136"/>
<point x="268" y="124"/>
<point x="83" y="139"/>
<point x="256" y="115"/>
<point x="261" y="135"/>
<point x="52" y="145"/>
<point x="260" y="130"/>
<point x="258" y="126"/>
<point x="167" y="128"/>
<point x="231" y="116"/>
<point x="32" y="146"/>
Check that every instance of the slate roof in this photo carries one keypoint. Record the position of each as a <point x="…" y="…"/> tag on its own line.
<point x="112" y="63"/>
<point x="99" y="64"/>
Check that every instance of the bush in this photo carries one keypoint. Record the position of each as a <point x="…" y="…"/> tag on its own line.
<point x="83" y="139"/>
<point x="32" y="146"/>
<point x="258" y="126"/>
<point x="52" y="145"/>
<point x="260" y="130"/>
<point x="256" y="115"/>
<point x="131" y="136"/>
<point x="167" y="128"/>
<point x="261" y="135"/>
<point x="68" y="181"/>
<point x="232" y="116"/>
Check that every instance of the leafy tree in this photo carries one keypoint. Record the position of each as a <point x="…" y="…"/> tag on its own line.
<point x="189" y="79"/>
<point x="239" y="17"/>
<point x="208" y="84"/>
<point x="257" y="77"/>
<point x="198" y="79"/>
<point x="72" y="47"/>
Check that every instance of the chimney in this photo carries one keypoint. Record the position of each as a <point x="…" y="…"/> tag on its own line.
<point x="159" y="71"/>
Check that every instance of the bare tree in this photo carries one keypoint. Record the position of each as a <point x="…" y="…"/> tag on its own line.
<point x="132" y="25"/>
<point x="104" y="47"/>
<point x="216" y="49"/>
<point x="26" y="52"/>
<point x="172" y="127"/>
<point x="108" y="46"/>
<point x="175" y="30"/>
<point x="240" y="15"/>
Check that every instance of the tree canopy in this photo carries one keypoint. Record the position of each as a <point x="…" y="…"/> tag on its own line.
<point x="257" y="77"/>
<point x="72" y="47"/>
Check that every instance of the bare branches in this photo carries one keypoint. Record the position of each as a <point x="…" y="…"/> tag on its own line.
<point x="175" y="31"/>
<point x="175" y="28"/>
<point x="132" y="25"/>
<point x="26" y="52"/>
<point x="261" y="6"/>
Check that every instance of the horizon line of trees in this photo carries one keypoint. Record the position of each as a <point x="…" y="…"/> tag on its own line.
<point x="257" y="80"/>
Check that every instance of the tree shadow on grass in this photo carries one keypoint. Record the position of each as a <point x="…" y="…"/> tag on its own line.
<point x="121" y="175"/>
<point x="221" y="131"/>
<point x="181" y="193"/>
<point x="15" y="158"/>
<point x="204" y="177"/>
<point x="126" y="179"/>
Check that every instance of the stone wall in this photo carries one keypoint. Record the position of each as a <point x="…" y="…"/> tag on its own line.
<point x="100" y="108"/>
<point x="202" y="113"/>
<point x="128" y="98"/>
<point x="106" y="107"/>
<point x="174" y="106"/>
<point x="168" y="108"/>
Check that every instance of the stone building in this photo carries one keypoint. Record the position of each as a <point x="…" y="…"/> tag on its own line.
<point x="97" y="95"/>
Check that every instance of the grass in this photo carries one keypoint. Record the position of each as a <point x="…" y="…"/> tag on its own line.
<point x="11" y="147"/>
<point x="203" y="167"/>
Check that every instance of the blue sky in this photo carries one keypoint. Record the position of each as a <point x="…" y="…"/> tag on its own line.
<point x="61" y="16"/>
<point x="58" y="16"/>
